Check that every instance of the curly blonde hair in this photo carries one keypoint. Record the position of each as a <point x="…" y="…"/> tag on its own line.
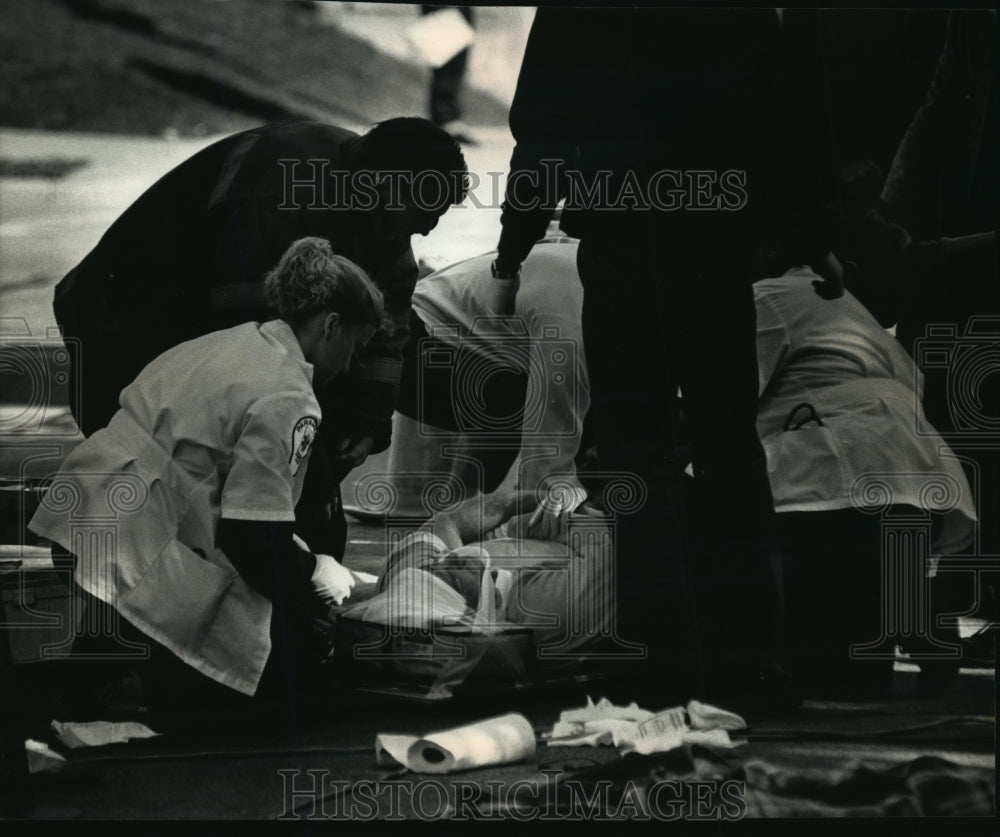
<point x="310" y="277"/>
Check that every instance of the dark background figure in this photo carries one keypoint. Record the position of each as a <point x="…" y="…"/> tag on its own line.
<point x="942" y="188"/>
<point x="189" y="257"/>
<point x="876" y="65"/>
<point x="920" y="243"/>
<point x="669" y="301"/>
<point x="942" y="180"/>
<point x="446" y="84"/>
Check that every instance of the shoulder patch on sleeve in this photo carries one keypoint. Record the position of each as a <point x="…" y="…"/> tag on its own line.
<point x="302" y="439"/>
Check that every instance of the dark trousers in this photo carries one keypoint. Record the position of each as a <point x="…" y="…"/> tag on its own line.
<point x="446" y="80"/>
<point x="949" y="314"/>
<point x="177" y="695"/>
<point x="832" y="583"/>
<point x="669" y="303"/>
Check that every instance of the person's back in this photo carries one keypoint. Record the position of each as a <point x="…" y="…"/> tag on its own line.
<point x="825" y="344"/>
<point x="539" y="352"/>
<point x="550" y="294"/>
<point x="162" y="258"/>
<point x="232" y="376"/>
<point x="840" y="403"/>
<point x="189" y="255"/>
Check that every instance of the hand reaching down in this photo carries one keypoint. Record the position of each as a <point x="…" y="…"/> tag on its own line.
<point x="332" y="581"/>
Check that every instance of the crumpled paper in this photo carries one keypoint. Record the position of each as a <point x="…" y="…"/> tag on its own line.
<point x="633" y="729"/>
<point x="75" y="734"/>
<point x="42" y="758"/>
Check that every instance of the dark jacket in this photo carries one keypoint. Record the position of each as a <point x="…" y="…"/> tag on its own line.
<point x="189" y="256"/>
<point x="648" y="89"/>
<point x="943" y="178"/>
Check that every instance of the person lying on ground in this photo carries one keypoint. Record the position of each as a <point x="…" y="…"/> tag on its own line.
<point x="545" y="568"/>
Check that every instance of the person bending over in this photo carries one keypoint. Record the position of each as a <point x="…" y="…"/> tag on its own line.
<point x="213" y="439"/>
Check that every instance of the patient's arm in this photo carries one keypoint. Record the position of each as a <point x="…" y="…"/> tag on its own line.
<point x="472" y="518"/>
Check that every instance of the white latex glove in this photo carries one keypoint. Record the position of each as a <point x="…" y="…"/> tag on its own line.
<point x="500" y="295"/>
<point x="332" y="580"/>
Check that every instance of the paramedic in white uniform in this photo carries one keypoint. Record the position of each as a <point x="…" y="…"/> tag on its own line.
<point x="214" y="435"/>
<point x="840" y="403"/>
<point x="542" y="341"/>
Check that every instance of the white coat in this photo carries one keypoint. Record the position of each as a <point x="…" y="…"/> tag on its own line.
<point x="220" y="426"/>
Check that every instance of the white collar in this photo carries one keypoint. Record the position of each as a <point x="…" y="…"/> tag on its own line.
<point x="281" y="333"/>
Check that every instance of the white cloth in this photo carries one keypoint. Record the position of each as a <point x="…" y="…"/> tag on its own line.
<point x="544" y="339"/>
<point x="220" y="426"/>
<point x="875" y="441"/>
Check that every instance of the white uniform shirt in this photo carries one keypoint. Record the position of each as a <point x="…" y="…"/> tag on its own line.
<point x="220" y="426"/>
<point x="544" y="339"/>
<point x="874" y="441"/>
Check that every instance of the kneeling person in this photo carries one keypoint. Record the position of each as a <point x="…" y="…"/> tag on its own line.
<point x="213" y="439"/>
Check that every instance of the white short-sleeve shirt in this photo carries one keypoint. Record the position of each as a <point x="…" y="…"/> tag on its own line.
<point x="220" y="426"/>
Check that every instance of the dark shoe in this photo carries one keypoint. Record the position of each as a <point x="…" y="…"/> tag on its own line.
<point x="980" y="649"/>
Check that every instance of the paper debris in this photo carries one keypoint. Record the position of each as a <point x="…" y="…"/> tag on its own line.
<point x="98" y="733"/>
<point x="660" y="733"/>
<point x="604" y="708"/>
<point x="501" y="740"/>
<point x="42" y="758"/>
<point x="633" y="729"/>
<point x="591" y="733"/>
<point x="711" y="738"/>
<point x="704" y="716"/>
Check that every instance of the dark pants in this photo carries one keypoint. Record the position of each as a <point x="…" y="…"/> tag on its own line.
<point x="666" y="305"/>
<point x="949" y="315"/>
<point x="446" y="80"/>
<point x="832" y="583"/>
<point x="179" y="696"/>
